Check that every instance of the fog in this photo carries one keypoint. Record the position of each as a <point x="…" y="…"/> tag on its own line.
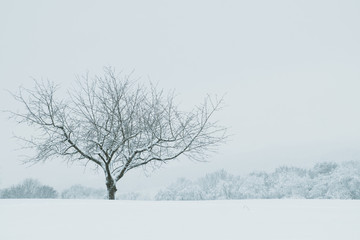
<point x="289" y="71"/>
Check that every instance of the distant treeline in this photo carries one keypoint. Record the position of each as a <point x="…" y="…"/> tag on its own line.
<point x="325" y="180"/>
<point x="32" y="188"/>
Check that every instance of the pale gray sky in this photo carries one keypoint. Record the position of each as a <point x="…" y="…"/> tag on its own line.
<point x="290" y="70"/>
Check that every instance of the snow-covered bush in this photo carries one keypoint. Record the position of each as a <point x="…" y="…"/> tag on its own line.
<point x="29" y="188"/>
<point x="218" y="185"/>
<point x="182" y="189"/>
<point x="82" y="192"/>
<point x="133" y="196"/>
<point x="289" y="182"/>
<point x="255" y="185"/>
<point x="344" y="182"/>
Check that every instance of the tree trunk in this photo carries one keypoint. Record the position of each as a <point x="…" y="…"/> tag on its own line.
<point x="111" y="188"/>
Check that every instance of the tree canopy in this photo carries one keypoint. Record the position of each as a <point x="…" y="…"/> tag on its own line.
<point x="116" y="124"/>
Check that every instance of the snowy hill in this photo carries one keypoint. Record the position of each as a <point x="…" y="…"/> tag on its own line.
<point x="145" y="220"/>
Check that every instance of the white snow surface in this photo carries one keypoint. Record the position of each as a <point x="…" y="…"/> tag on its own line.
<point x="225" y="220"/>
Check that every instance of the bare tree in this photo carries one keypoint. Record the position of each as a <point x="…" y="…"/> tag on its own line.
<point x="116" y="124"/>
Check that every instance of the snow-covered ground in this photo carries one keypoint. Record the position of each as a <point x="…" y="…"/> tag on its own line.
<point x="144" y="220"/>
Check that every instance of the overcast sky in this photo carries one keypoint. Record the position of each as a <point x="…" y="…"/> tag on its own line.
<point x="289" y="69"/>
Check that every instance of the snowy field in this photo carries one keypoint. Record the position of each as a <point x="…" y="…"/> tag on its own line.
<point x="225" y="220"/>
